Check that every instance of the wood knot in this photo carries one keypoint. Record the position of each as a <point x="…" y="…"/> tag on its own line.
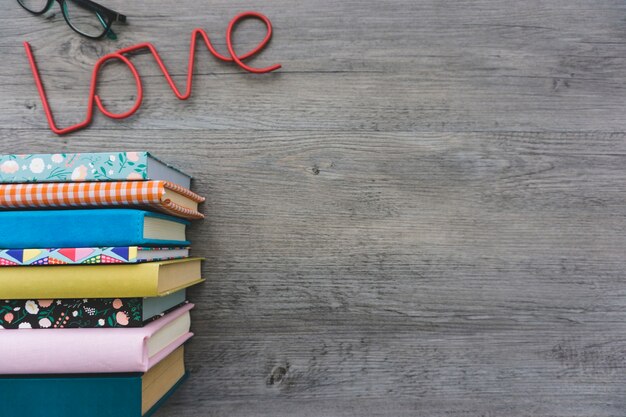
<point x="315" y="170"/>
<point x="277" y="375"/>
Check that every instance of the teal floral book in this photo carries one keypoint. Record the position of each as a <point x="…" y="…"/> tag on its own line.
<point x="76" y="167"/>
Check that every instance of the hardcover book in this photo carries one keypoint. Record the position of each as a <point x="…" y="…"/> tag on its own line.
<point x="86" y="312"/>
<point x="158" y="195"/>
<point x="102" y="166"/>
<point x="80" y="351"/>
<point x="148" y="279"/>
<point x="93" y="395"/>
<point x="77" y="256"/>
<point x="89" y="228"/>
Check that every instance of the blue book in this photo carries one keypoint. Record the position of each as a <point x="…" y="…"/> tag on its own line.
<point x="91" y="227"/>
<point x="102" y="395"/>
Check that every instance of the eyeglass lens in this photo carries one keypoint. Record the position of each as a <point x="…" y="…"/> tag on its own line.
<point x="35" y="6"/>
<point x="84" y="18"/>
<point x="79" y="15"/>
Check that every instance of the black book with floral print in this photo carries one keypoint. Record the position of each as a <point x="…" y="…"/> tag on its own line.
<point x="86" y="313"/>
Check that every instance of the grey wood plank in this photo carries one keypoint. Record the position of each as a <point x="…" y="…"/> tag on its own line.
<point x="400" y="66"/>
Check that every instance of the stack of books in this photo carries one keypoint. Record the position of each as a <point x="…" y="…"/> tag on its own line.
<point x="94" y="266"/>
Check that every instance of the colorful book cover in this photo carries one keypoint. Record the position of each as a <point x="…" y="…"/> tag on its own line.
<point x="88" y="351"/>
<point x="77" y="256"/>
<point x="75" y="313"/>
<point x="101" y="166"/>
<point x="84" y="228"/>
<point x="159" y="195"/>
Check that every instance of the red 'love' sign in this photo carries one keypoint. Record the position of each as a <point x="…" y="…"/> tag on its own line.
<point x="119" y="55"/>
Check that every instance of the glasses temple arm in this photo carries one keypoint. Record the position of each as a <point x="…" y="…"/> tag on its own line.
<point x="98" y="8"/>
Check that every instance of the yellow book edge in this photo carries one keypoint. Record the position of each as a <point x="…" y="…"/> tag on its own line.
<point x="161" y="378"/>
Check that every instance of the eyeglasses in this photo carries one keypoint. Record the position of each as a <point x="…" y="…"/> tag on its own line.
<point x="83" y="16"/>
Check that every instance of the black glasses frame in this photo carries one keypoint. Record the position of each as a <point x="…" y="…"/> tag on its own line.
<point x="107" y="15"/>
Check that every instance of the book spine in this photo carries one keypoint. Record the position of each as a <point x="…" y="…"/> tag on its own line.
<point x="64" y="396"/>
<point x="65" y="351"/>
<point x="71" y="313"/>
<point x="68" y="313"/>
<point x="80" y="281"/>
<point x="94" y="194"/>
<point x="71" y="228"/>
<point x="81" y="194"/>
<point x="68" y="256"/>
<point x="70" y="167"/>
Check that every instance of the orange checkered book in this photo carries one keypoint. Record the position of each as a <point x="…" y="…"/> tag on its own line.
<point x="158" y="195"/>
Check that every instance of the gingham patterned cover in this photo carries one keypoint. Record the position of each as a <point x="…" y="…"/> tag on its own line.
<point x="149" y="194"/>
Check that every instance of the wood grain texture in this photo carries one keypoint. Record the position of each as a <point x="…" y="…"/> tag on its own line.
<point x="423" y="213"/>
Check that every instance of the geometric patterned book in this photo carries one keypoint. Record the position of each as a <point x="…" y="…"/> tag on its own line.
<point x="158" y="195"/>
<point x="86" y="313"/>
<point x="77" y="256"/>
<point x="100" y="166"/>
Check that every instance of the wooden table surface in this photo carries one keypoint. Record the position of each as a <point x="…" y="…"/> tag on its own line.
<point x="422" y="214"/>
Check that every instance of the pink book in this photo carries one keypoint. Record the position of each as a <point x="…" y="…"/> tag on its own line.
<point x="67" y="351"/>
